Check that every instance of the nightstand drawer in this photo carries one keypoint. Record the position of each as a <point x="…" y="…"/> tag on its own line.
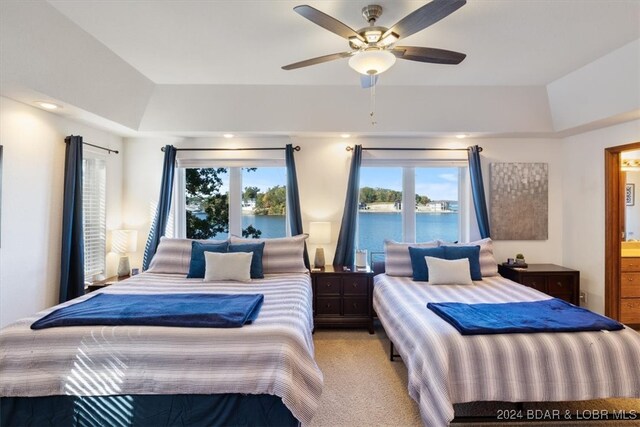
<point x="630" y="285"/>
<point x="355" y="285"/>
<point x="630" y="310"/>
<point x="630" y="264"/>
<point x="329" y="285"/>
<point x="536" y="282"/>
<point x="326" y="306"/>
<point x="356" y="306"/>
<point x="558" y="285"/>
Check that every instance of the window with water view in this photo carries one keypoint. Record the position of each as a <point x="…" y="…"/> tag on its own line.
<point x="259" y="208"/>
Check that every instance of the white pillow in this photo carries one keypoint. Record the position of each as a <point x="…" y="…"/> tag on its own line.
<point x="397" y="261"/>
<point x="281" y="254"/>
<point x="227" y="266"/>
<point x="488" y="264"/>
<point x="448" y="272"/>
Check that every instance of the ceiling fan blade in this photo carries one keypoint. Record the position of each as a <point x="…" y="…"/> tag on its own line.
<point x="327" y="22"/>
<point x="428" y="54"/>
<point x="425" y="16"/>
<point x="368" y="81"/>
<point x="317" y="60"/>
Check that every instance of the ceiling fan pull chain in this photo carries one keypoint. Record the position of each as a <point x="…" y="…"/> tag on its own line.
<point x="373" y="101"/>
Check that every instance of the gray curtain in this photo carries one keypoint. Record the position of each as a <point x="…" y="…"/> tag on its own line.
<point x="345" y="250"/>
<point x="477" y="190"/>
<point x="159" y="225"/>
<point x="293" y="199"/>
<point x="72" y="251"/>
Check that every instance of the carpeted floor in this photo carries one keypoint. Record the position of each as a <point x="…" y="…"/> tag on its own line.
<point x="363" y="388"/>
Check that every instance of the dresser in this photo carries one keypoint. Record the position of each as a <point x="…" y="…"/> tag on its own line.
<point x="342" y="298"/>
<point x="555" y="280"/>
<point x="630" y="290"/>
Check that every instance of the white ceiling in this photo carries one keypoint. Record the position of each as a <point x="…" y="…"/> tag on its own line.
<point x="507" y="42"/>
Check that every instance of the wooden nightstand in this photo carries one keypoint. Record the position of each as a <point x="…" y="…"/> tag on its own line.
<point x="104" y="283"/>
<point x="554" y="280"/>
<point x="342" y="298"/>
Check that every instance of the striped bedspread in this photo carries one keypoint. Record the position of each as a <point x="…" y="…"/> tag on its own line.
<point x="445" y="367"/>
<point x="274" y="355"/>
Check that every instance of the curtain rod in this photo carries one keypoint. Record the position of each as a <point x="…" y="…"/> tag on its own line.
<point x="349" y="148"/>
<point x="296" y="148"/>
<point x="109" y="150"/>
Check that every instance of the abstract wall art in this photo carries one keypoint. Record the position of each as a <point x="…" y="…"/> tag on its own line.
<point x="519" y="201"/>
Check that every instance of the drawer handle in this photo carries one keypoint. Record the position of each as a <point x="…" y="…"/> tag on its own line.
<point x="355" y="284"/>
<point x="533" y="283"/>
<point x="328" y="305"/>
<point x="559" y="284"/>
<point x="630" y="279"/>
<point x="328" y="285"/>
<point x="355" y="305"/>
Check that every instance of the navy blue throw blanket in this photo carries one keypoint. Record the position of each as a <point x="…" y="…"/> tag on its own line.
<point x="553" y="315"/>
<point x="187" y="310"/>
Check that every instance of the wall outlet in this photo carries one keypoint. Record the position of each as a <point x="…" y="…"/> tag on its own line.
<point x="583" y="298"/>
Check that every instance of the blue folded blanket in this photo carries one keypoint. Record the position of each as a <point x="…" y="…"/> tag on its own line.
<point x="187" y="310"/>
<point x="553" y="315"/>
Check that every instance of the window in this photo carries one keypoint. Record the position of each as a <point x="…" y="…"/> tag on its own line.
<point x="94" y="181"/>
<point x="219" y="201"/>
<point x="408" y="204"/>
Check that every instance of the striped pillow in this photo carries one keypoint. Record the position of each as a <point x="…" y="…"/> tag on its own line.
<point x="281" y="255"/>
<point x="397" y="261"/>
<point x="488" y="264"/>
<point x="174" y="256"/>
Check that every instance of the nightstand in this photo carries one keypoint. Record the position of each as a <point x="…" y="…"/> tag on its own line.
<point x="104" y="283"/>
<point x="554" y="280"/>
<point x="343" y="298"/>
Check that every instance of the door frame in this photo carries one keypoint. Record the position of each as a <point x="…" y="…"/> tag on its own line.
<point x="613" y="217"/>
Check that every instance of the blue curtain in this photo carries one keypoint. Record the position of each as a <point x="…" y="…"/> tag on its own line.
<point x="477" y="190"/>
<point x="72" y="251"/>
<point x="345" y="250"/>
<point x="293" y="198"/>
<point x="164" y="205"/>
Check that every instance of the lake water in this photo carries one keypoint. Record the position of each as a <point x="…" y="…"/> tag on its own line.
<point x="374" y="227"/>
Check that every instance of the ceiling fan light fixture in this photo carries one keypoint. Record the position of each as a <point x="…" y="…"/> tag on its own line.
<point x="372" y="62"/>
<point x="388" y="39"/>
<point x="356" y="42"/>
<point x="373" y="36"/>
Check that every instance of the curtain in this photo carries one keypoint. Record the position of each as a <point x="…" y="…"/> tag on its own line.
<point x="159" y="224"/>
<point x="477" y="190"/>
<point x="293" y="199"/>
<point x="345" y="250"/>
<point x="72" y="251"/>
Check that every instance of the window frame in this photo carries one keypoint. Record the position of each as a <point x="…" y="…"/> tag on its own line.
<point x="465" y="224"/>
<point x="235" y="167"/>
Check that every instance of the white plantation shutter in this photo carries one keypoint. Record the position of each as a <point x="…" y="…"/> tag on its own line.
<point x="94" y="215"/>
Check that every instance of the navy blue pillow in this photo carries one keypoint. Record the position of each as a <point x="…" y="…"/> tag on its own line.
<point x="472" y="253"/>
<point x="256" y="260"/>
<point x="418" y="263"/>
<point x="197" y="265"/>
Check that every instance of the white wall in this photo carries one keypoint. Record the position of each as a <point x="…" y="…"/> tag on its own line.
<point x="584" y="209"/>
<point x="323" y="169"/>
<point x="32" y="192"/>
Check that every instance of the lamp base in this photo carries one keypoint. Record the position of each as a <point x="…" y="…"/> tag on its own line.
<point x="124" y="268"/>
<point x="318" y="262"/>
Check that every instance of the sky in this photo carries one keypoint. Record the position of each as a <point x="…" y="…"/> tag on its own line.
<point x="435" y="183"/>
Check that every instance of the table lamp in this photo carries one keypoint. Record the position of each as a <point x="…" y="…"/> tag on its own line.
<point x="319" y="234"/>
<point x="124" y="242"/>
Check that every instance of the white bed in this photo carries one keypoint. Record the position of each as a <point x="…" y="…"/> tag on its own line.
<point x="445" y="367"/>
<point x="274" y="355"/>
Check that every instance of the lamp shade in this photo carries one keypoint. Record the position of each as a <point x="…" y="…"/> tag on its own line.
<point x="371" y="62"/>
<point x="320" y="233"/>
<point x="124" y="241"/>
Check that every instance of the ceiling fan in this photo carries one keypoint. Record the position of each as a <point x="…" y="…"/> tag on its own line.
<point x="373" y="47"/>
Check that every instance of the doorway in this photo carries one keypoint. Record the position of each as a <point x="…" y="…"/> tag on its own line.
<point x="615" y="230"/>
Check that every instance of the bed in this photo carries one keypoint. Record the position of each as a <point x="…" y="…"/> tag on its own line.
<point x="140" y="375"/>
<point x="445" y="367"/>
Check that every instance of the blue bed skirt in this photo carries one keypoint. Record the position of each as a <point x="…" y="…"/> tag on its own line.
<point x="146" y="410"/>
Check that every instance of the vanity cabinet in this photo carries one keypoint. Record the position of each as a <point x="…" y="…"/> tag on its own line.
<point x="630" y="290"/>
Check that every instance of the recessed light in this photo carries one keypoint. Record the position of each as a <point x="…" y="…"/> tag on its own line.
<point x="228" y="135"/>
<point x="461" y="135"/>
<point x="345" y="135"/>
<point x="48" y="105"/>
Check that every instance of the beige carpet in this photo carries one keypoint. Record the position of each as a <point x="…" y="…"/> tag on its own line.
<point x="363" y="388"/>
